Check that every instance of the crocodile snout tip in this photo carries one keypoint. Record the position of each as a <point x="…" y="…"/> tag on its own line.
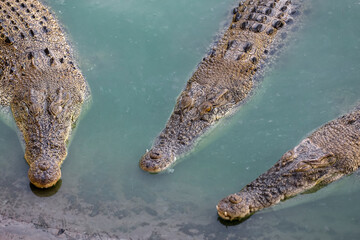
<point x="44" y="174"/>
<point x="155" y="161"/>
<point x="233" y="208"/>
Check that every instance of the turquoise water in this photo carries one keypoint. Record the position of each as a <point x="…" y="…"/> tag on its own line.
<point x="137" y="56"/>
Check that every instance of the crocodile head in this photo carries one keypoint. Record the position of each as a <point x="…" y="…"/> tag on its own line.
<point x="307" y="167"/>
<point x="193" y="115"/>
<point x="45" y="119"/>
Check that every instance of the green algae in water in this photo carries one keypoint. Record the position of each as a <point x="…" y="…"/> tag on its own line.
<point x="137" y="56"/>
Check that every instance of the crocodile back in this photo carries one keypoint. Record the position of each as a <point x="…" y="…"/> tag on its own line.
<point x="34" y="52"/>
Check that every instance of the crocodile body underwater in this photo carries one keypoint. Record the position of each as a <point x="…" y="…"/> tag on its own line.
<point x="41" y="84"/>
<point x="326" y="155"/>
<point x="224" y="78"/>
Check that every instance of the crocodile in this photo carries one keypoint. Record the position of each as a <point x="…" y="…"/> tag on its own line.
<point x="224" y="79"/>
<point x="326" y="155"/>
<point x="40" y="84"/>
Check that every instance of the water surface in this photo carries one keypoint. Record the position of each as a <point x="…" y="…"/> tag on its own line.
<point x="137" y="56"/>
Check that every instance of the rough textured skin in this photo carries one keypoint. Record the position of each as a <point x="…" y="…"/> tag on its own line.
<point x="223" y="79"/>
<point x="41" y="84"/>
<point x="329" y="153"/>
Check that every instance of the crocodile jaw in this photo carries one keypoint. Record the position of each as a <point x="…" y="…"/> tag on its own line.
<point x="44" y="173"/>
<point x="45" y="118"/>
<point x="45" y="157"/>
<point x="236" y="207"/>
<point x="194" y="114"/>
<point x="156" y="160"/>
<point x="308" y="166"/>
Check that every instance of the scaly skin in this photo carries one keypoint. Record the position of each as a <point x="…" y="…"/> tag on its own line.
<point x="223" y="79"/>
<point x="329" y="153"/>
<point x="41" y="84"/>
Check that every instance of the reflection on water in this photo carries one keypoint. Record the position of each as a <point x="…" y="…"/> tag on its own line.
<point x="137" y="56"/>
<point x="46" y="192"/>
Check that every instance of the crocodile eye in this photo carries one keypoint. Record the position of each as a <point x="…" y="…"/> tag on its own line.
<point x="35" y="109"/>
<point x="186" y="102"/>
<point x="205" y="107"/>
<point x="55" y="109"/>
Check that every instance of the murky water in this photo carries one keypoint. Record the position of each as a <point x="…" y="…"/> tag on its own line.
<point x="137" y="56"/>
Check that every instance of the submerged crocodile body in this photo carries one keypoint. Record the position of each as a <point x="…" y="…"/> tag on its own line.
<point x="40" y="83"/>
<point x="224" y="79"/>
<point x="329" y="153"/>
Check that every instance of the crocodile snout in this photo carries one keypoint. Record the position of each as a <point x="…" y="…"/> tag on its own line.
<point x="44" y="174"/>
<point x="155" y="161"/>
<point x="235" y="207"/>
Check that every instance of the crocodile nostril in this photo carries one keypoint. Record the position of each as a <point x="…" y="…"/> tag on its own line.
<point x="155" y="155"/>
<point x="43" y="166"/>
